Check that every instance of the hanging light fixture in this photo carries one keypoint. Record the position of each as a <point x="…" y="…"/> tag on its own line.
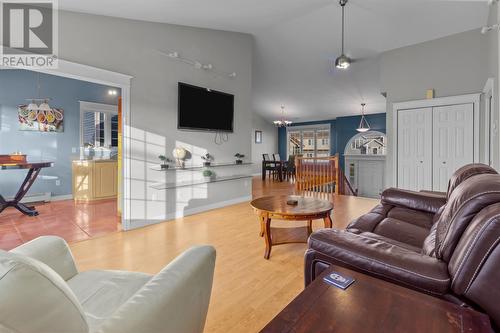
<point x="363" y="124"/>
<point x="38" y="104"/>
<point x="282" y="122"/>
<point x="343" y="61"/>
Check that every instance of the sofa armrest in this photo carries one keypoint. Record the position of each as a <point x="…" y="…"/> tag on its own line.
<point x="174" y="300"/>
<point x="423" y="201"/>
<point x="376" y="257"/>
<point x="52" y="251"/>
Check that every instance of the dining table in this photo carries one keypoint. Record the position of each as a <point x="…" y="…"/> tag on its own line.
<point x="34" y="169"/>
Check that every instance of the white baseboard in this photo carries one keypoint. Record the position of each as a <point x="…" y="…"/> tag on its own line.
<point x="182" y="213"/>
<point x="62" y="197"/>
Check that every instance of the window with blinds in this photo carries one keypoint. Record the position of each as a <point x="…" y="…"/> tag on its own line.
<point x="99" y="129"/>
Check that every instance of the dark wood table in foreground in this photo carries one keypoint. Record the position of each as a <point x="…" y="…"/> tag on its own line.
<point x="276" y="207"/>
<point x="34" y="170"/>
<point x="373" y="305"/>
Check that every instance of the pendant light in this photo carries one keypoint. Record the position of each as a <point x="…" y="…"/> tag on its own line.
<point x="343" y="62"/>
<point x="38" y="104"/>
<point x="282" y="122"/>
<point x="363" y="124"/>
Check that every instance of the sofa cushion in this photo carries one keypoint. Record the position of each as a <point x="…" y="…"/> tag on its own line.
<point x="101" y="293"/>
<point x="423" y="201"/>
<point x="468" y="198"/>
<point x="402" y="231"/>
<point x="465" y="173"/>
<point x="370" y="220"/>
<point x="418" y="218"/>
<point x="35" y="298"/>
<point x="382" y="259"/>
<point x="391" y="241"/>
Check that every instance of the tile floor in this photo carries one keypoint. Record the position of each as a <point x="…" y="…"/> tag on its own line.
<point x="71" y="221"/>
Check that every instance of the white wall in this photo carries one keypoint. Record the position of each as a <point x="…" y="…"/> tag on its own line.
<point x="269" y="143"/>
<point x="131" y="47"/>
<point x="453" y="65"/>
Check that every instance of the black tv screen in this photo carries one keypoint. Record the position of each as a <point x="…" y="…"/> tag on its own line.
<point x="204" y="109"/>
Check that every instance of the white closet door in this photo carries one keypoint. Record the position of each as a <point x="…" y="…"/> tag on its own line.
<point x="371" y="178"/>
<point x="415" y="149"/>
<point x="453" y="128"/>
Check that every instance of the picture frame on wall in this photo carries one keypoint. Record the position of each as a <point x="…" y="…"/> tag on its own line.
<point x="258" y="136"/>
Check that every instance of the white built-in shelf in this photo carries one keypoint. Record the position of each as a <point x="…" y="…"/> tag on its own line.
<point x="199" y="167"/>
<point x="166" y="186"/>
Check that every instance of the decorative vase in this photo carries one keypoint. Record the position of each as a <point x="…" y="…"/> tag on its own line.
<point x="164" y="166"/>
<point x="206" y="164"/>
<point x="239" y="161"/>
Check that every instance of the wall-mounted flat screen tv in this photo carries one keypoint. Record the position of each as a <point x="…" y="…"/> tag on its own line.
<point x="204" y="109"/>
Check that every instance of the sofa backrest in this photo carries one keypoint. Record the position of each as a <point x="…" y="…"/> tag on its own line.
<point x="475" y="264"/>
<point x="467" y="200"/>
<point x="34" y="298"/>
<point x="465" y="173"/>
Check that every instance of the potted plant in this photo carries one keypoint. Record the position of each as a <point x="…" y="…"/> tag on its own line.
<point x="207" y="158"/>
<point x="208" y="174"/>
<point x="164" y="161"/>
<point x="239" y="158"/>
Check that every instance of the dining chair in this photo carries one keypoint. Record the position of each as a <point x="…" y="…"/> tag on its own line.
<point x="271" y="167"/>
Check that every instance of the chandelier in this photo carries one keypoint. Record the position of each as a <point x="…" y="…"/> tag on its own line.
<point x="363" y="124"/>
<point x="282" y="122"/>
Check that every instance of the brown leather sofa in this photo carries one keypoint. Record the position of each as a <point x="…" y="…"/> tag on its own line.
<point x="444" y="245"/>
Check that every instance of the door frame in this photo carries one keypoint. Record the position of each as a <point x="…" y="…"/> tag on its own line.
<point x="474" y="99"/>
<point x="488" y="90"/>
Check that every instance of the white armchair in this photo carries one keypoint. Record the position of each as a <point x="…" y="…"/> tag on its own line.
<point x="41" y="291"/>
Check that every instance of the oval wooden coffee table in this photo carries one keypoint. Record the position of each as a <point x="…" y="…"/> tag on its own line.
<point x="276" y="207"/>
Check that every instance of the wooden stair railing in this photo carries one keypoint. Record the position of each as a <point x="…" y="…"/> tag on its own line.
<point x="321" y="174"/>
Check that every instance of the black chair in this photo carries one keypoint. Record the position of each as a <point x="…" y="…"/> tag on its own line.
<point x="271" y="167"/>
<point x="290" y="167"/>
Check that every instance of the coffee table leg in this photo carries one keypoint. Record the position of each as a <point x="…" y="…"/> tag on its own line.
<point x="309" y="228"/>
<point x="267" y="237"/>
<point x="262" y="226"/>
<point x="328" y="221"/>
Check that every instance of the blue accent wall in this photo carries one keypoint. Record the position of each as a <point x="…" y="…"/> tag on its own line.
<point x="342" y="130"/>
<point x="15" y="87"/>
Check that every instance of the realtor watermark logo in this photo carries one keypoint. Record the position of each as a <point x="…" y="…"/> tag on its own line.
<point x="29" y="35"/>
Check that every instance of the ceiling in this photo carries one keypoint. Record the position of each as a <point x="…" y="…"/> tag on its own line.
<point x="297" y="40"/>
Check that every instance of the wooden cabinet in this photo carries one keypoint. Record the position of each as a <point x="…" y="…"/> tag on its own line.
<point x="95" y="180"/>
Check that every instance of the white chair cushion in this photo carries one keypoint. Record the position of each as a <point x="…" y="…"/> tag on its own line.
<point x="101" y="293"/>
<point x="34" y="298"/>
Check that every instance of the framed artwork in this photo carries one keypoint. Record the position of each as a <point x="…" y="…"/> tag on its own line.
<point x="258" y="136"/>
<point x="40" y="121"/>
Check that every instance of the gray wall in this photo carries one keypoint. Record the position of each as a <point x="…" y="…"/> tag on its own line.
<point x="453" y="65"/>
<point x="131" y="47"/>
<point x="269" y="143"/>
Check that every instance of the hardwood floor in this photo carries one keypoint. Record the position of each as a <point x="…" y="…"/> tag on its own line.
<point x="248" y="290"/>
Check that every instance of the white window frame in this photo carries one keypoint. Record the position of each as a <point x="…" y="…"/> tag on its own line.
<point x="315" y="128"/>
<point x="109" y="110"/>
